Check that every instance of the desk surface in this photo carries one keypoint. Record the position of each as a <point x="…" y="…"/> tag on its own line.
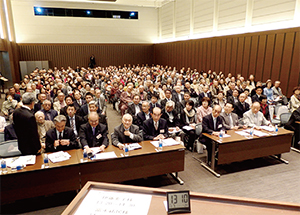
<point x="234" y="137"/>
<point x="208" y="204"/>
<point x="73" y="173"/>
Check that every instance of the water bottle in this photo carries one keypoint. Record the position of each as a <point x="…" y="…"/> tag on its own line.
<point x="126" y="150"/>
<point x="251" y="132"/>
<point x="85" y="155"/>
<point x="221" y="134"/>
<point x="276" y="128"/>
<point x="3" y="167"/>
<point x="46" y="161"/>
<point x="160" y="145"/>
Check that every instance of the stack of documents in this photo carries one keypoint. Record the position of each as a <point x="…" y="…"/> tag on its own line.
<point x="268" y="128"/>
<point x="174" y="130"/>
<point x="165" y="142"/>
<point x="257" y="133"/>
<point x="104" y="155"/>
<point x="21" y="161"/>
<point x="134" y="146"/>
<point x="59" y="156"/>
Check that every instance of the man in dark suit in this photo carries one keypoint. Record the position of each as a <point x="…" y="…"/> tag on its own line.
<point x="169" y="97"/>
<point x="293" y="126"/>
<point x="84" y="110"/>
<point x="26" y="127"/>
<point x="231" y="88"/>
<point x="155" y="128"/>
<point x="38" y="106"/>
<point x="230" y="119"/>
<point x="241" y="106"/>
<point x="211" y="124"/>
<point x="126" y="132"/>
<point x="78" y="101"/>
<point x="154" y="102"/>
<point x="73" y="121"/>
<point x="61" y="137"/>
<point x="255" y="97"/>
<point x="205" y="93"/>
<point x="143" y="115"/>
<point x="234" y="97"/>
<point x="170" y="115"/>
<point x="15" y="96"/>
<point x="93" y="133"/>
<point x="135" y="108"/>
<point x="68" y="101"/>
<point x="50" y="113"/>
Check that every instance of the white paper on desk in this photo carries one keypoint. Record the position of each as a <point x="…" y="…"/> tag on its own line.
<point x="104" y="155"/>
<point x="257" y="133"/>
<point x="187" y="127"/>
<point x="59" y="156"/>
<point x="134" y="146"/>
<point x="267" y="128"/>
<point x="98" y="202"/>
<point x="243" y="133"/>
<point x="226" y="135"/>
<point x="95" y="149"/>
<point x="22" y="160"/>
<point x="174" y="130"/>
<point x="165" y="142"/>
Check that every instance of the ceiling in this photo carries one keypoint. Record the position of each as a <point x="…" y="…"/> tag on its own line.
<point x="141" y="3"/>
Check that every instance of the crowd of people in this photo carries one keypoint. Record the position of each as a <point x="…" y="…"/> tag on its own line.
<point x="69" y="106"/>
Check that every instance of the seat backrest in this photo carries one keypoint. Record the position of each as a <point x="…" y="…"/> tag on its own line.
<point x="284" y="118"/>
<point x="9" y="149"/>
<point x="282" y="109"/>
<point x="2" y="137"/>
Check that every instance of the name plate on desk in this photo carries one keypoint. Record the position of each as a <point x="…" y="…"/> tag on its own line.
<point x="178" y="202"/>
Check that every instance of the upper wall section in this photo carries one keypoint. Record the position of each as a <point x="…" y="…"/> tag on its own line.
<point x="193" y="19"/>
<point x="43" y="29"/>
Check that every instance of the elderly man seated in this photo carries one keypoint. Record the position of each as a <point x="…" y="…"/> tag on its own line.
<point x="43" y="126"/>
<point x="61" y="137"/>
<point x="255" y="118"/>
<point x="155" y="128"/>
<point x="50" y="113"/>
<point x="126" y="132"/>
<point x="93" y="133"/>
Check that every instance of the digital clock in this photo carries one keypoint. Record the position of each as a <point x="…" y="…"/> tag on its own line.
<point x="178" y="202"/>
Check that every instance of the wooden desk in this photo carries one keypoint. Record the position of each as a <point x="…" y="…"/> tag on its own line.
<point x="239" y="148"/>
<point x="34" y="181"/>
<point x="141" y="163"/>
<point x="73" y="174"/>
<point x="207" y="204"/>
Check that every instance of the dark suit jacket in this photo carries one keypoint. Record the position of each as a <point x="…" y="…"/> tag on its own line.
<point x="201" y="96"/>
<point x="255" y="98"/>
<point x="9" y="133"/>
<point x="17" y="97"/>
<point x="53" y="113"/>
<point x="191" y="91"/>
<point x="267" y="113"/>
<point x="230" y="99"/>
<point x="141" y="117"/>
<point x="131" y="111"/>
<point x="229" y="93"/>
<point x="208" y="124"/>
<point x="78" y="122"/>
<point x="88" y="139"/>
<point x="149" y="131"/>
<point x="77" y="106"/>
<point x="240" y="110"/>
<point x="83" y="111"/>
<point x="118" y="135"/>
<point x="51" y="136"/>
<point x="37" y="107"/>
<point x="26" y="129"/>
<point x="152" y="106"/>
<point x="176" y="98"/>
<point x="176" y="120"/>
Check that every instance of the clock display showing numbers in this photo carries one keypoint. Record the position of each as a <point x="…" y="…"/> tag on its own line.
<point x="178" y="202"/>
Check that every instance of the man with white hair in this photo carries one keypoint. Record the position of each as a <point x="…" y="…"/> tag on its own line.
<point x="26" y="127"/>
<point x="255" y="118"/>
<point x="126" y="132"/>
<point x="43" y="127"/>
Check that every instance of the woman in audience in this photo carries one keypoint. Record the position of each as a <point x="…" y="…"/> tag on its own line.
<point x="269" y="92"/>
<point x="204" y="109"/>
<point x="9" y="105"/>
<point x="188" y="118"/>
<point x="295" y="99"/>
<point x="264" y="107"/>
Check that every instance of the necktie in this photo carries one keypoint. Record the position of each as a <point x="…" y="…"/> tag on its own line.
<point x="155" y="125"/>
<point x="215" y="124"/>
<point x="93" y="131"/>
<point x="72" y="123"/>
<point x="60" y="136"/>
<point x="48" y="116"/>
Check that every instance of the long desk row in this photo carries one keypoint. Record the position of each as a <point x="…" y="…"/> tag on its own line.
<point x="72" y="174"/>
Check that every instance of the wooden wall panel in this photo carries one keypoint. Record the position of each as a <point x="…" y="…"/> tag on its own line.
<point x="270" y="54"/>
<point x="78" y="54"/>
<point x="295" y="67"/>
